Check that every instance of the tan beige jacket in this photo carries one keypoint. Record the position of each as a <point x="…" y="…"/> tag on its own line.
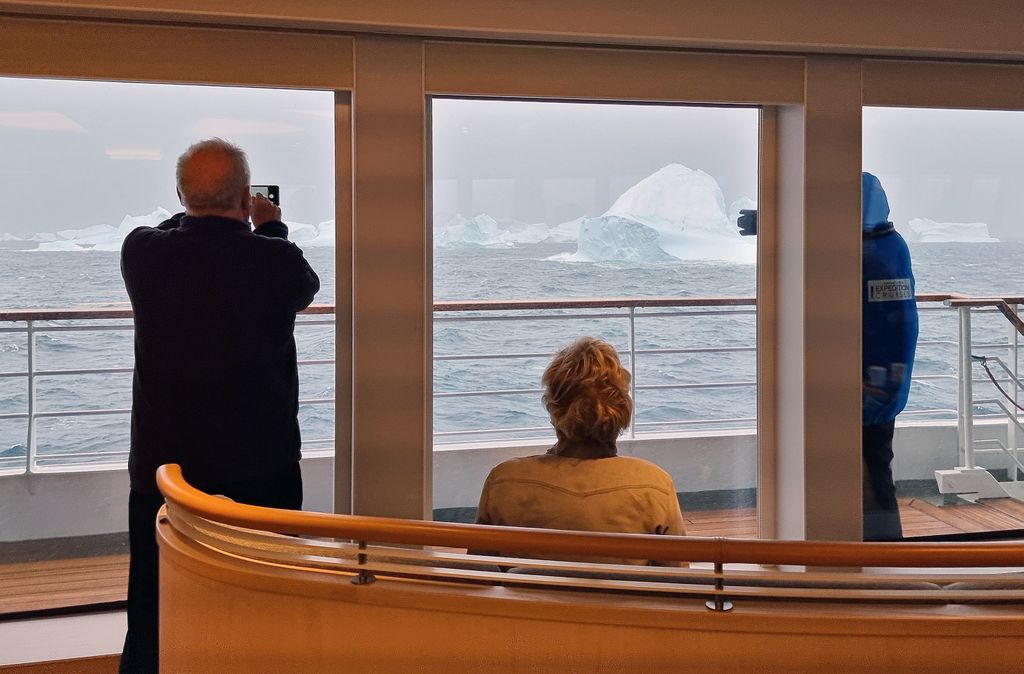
<point x="617" y="494"/>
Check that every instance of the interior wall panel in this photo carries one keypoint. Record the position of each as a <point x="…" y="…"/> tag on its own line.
<point x="818" y="459"/>
<point x="932" y="84"/>
<point x="832" y="294"/>
<point x="611" y="74"/>
<point x="392" y="291"/>
<point x="96" y="50"/>
<point x="977" y="29"/>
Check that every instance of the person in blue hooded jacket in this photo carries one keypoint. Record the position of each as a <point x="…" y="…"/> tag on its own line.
<point x="889" y="339"/>
<point x="889" y="318"/>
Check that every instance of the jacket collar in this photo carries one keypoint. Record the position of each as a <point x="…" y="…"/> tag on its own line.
<point x="213" y="223"/>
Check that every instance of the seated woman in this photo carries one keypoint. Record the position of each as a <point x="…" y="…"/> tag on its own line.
<point x="580" y="483"/>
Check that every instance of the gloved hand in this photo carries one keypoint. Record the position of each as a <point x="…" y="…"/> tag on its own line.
<point x="747" y="222"/>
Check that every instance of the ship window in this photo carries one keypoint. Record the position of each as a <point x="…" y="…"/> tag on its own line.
<point x="953" y="180"/>
<point x="83" y="163"/>
<point x="555" y="220"/>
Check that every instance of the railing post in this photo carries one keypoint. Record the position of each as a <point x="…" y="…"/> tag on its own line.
<point x="30" y="435"/>
<point x="363" y="577"/>
<point x="719" y="603"/>
<point x="965" y="403"/>
<point x="633" y="368"/>
<point x="1011" y="427"/>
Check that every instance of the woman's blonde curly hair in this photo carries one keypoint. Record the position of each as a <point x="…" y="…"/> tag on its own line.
<point x="586" y="392"/>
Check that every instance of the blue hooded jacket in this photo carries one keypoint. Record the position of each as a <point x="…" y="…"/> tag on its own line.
<point x="889" y="311"/>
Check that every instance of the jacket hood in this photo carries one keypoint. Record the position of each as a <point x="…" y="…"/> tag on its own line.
<point x="874" y="204"/>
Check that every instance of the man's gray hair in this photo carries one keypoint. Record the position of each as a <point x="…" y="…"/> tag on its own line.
<point x="207" y="190"/>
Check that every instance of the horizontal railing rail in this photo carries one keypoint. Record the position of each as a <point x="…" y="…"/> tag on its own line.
<point x="630" y="309"/>
<point x="106" y="313"/>
<point x="527" y="310"/>
<point x="9" y="315"/>
<point x="92" y="319"/>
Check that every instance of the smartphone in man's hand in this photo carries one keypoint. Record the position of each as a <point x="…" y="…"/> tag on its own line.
<point x="271" y="192"/>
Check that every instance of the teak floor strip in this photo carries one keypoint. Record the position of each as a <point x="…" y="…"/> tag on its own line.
<point x="1008" y="506"/>
<point x="50" y="584"/>
<point x="31" y="586"/>
<point x="954" y="520"/>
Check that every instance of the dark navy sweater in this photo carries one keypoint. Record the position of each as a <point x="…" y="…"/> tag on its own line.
<point x="216" y="385"/>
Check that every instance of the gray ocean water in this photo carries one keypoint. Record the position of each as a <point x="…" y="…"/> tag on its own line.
<point x="92" y="278"/>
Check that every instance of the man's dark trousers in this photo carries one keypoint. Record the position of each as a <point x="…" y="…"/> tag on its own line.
<point x="881" y="510"/>
<point x="141" y="645"/>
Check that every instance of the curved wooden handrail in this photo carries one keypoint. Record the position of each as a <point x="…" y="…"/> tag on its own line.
<point x="548" y="541"/>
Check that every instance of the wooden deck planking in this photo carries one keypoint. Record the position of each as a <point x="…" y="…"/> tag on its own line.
<point x="738" y="523"/>
<point x="30" y="586"/>
<point x="1009" y="506"/>
<point x="929" y="514"/>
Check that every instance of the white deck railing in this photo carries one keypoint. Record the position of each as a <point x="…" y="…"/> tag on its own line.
<point x="33" y="323"/>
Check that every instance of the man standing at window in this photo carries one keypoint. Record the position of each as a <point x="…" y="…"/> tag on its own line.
<point x="216" y="382"/>
<point x="889" y="326"/>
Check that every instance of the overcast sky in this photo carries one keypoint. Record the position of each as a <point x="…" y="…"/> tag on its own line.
<point x="76" y="153"/>
<point x="552" y="162"/>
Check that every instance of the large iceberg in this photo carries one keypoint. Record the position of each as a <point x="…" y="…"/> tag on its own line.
<point x="924" y="230"/>
<point x="517" y="232"/>
<point x="610" y="237"/>
<point x="311" y="236"/>
<point x="98" y="237"/>
<point x="566" y="232"/>
<point x="110" y="238"/>
<point x="676" y="213"/>
<point x="483" y="231"/>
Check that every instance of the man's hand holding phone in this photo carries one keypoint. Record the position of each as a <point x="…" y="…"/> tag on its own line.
<point x="263" y="210"/>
